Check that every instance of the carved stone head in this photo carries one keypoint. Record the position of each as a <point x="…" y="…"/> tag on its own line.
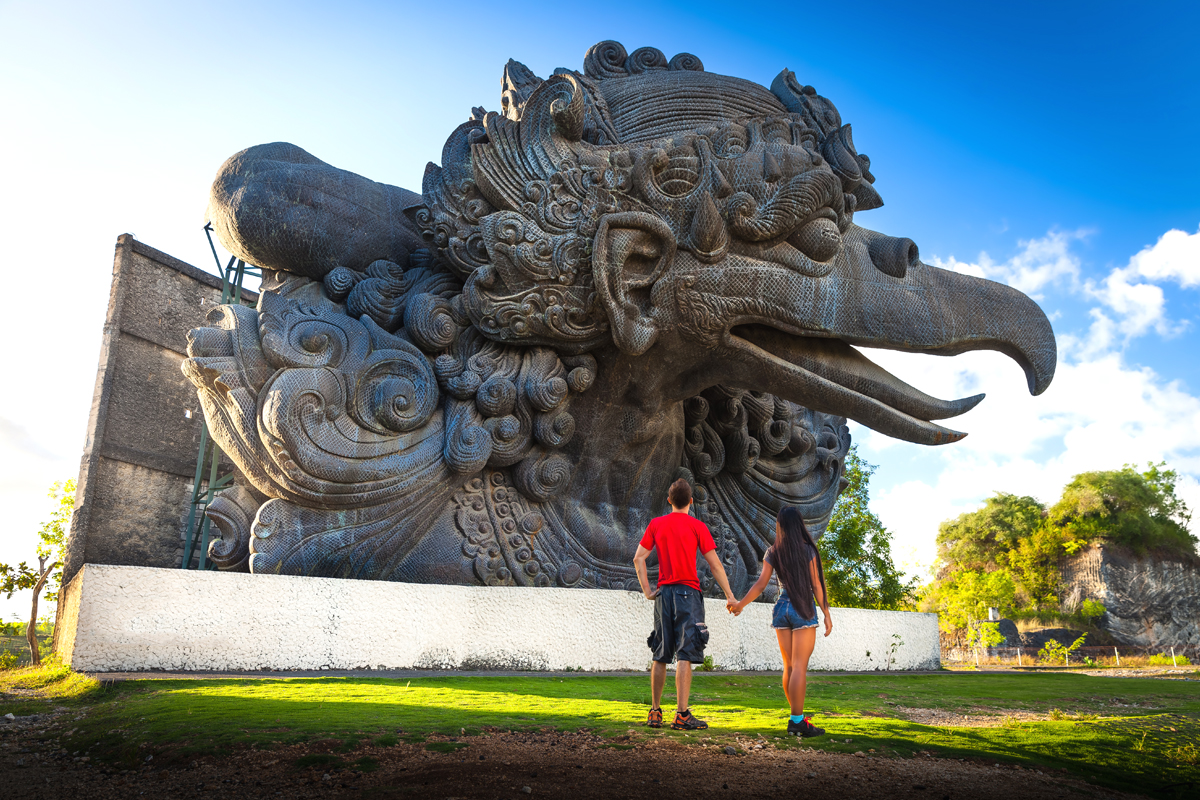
<point x="647" y="201"/>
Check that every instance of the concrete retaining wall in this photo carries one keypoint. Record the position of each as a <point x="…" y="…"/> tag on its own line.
<point x="141" y="618"/>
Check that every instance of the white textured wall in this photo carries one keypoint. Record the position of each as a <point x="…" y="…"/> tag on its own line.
<point x="139" y="618"/>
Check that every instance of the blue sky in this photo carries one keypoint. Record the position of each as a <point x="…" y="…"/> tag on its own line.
<point x="1045" y="145"/>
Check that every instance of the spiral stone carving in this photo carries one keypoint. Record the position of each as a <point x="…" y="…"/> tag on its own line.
<point x="605" y="60"/>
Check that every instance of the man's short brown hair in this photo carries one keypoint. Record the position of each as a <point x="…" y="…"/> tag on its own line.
<point x="680" y="493"/>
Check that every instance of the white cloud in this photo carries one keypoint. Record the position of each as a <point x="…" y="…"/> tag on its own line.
<point x="1099" y="413"/>
<point x="1040" y="263"/>
<point x="1131" y="294"/>
<point x="1175" y="257"/>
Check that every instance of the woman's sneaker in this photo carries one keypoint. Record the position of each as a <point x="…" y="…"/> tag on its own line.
<point x="684" y="721"/>
<point x="655" y="718"/>
<point x="804" y="728"/>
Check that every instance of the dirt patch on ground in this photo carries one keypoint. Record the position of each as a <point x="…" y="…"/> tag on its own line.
<point x="977" y="719"/>
<point x="578" y="766"/>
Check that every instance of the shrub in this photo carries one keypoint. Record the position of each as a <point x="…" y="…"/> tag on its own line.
<point x="1092" y="609"/>
<point x="1164" y="660"/>
<point x="8" y="659"/>
<point x="1054" y="651"/>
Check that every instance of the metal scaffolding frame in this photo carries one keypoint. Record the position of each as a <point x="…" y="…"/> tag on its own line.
<point x="208" y="458"/>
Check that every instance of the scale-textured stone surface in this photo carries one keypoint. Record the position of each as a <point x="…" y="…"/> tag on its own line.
<point x="632" y="273"/>
<point x="1148" y="602"/>
<point x="139" y="618"/>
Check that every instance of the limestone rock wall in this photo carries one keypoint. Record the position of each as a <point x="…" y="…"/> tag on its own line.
<point x="1150" y="602"/>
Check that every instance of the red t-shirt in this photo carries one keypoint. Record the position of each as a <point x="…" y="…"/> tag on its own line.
<point x="677" y="537"/>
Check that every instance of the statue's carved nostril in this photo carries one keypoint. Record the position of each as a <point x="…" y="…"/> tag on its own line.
<point x="893" y="256"/>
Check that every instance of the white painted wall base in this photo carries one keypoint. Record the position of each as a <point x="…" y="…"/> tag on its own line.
<point x="142" y="618"/>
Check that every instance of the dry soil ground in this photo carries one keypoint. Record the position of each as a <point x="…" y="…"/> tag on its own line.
<point x="577" y="766"/>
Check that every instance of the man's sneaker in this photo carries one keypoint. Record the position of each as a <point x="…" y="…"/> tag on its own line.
<point x="804" y="728"/>
<point x="655" y="719"/>
<point x="685" y="721"/>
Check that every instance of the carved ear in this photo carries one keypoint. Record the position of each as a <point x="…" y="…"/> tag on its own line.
<point x="631" y="251"/>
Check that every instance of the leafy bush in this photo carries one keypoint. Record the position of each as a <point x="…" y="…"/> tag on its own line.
<point x="986" y="634"/>
<point x="1164" y="660"/>
<point x="1054" y="651"/>
<point x="8" y="659"/>
<point x="1092" y="609"/>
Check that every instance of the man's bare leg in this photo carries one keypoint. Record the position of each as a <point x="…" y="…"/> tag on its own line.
<point x="683" y="683"/>
<point x="658" y="679"/>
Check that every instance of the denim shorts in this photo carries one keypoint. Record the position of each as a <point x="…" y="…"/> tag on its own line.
<point x="785" y="617"/>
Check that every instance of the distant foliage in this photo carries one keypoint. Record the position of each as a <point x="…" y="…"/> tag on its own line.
<point x="52" y="538"/>
<point x="986" y="634"/>
<point x="1092" y="609"/>
<point x="1139" y="510"/>
<point x="966" y="596"/>
<point x="1008" y="554"/>
<point x="1167" y="660"/>
<point x="856" y="550"/>
<point x="1055" y="651"/>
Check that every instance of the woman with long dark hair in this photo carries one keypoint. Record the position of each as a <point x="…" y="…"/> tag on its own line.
<point x="801" y="578"/>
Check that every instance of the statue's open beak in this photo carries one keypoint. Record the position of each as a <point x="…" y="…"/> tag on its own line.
<point x="927" y="310"/>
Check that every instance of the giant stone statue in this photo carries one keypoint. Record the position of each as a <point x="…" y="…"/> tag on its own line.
<point x="629" y="274"/>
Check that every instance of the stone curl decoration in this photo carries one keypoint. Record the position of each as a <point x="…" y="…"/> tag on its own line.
<point x="634" y="272"/>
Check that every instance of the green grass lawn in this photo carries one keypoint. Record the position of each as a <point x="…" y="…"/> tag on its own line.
<point x="1133" y="734"/>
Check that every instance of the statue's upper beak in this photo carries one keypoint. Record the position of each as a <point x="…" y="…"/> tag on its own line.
<point x="880" y="294"/>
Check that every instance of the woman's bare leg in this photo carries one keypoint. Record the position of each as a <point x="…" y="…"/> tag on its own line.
<point x="785" y="650"/>
<point x="802" y="643"/>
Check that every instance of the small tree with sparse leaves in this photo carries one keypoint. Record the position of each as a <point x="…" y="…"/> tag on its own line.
<point x="48" y="576"/>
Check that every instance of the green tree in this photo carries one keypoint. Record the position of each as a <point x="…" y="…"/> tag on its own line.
<point x="1140" y="510"/>
<point x="963" y="598"/>
<point x="981" y="540"/>
<point x="856" y="550"/>
<point x="52" y="536"/>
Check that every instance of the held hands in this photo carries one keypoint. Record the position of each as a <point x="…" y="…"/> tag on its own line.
<point x="733" y="606"/>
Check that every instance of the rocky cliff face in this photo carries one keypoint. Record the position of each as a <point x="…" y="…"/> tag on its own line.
<point x="1149" y="602"/>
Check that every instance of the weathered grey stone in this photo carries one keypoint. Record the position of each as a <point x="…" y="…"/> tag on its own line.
<point x="637" y="272"/>
<point x="1149" y="602"/>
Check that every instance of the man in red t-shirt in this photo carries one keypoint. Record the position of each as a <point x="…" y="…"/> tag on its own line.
<point x="679" y="629"/>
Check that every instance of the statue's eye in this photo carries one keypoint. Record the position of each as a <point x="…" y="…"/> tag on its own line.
<point x="777" y="132"/>
<point x="682" y="172"/>
<point x="730" y="142"/>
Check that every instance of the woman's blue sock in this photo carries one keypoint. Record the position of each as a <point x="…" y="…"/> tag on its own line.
<point x="797" y="718"/>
